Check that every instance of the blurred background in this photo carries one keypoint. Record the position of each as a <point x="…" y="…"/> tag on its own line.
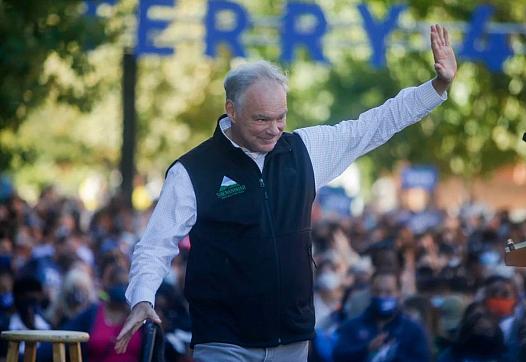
<point x="97" y="98"/>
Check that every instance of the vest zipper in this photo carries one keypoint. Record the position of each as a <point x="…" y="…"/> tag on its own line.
<point x="276" y="254"/>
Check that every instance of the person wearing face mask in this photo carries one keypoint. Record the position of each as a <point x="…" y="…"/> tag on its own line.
<point x="329" y="289"/>
<point x="328" y="295"/>
<point x="500" y="297"/>
<point x="103" y="321"/>
<point x="449" y="310"/>
<point x="27" y="298"/>
<point x="382" y="333"/>
<point x="75" y="295"/>
<point x="479" y="338"/>
<point x="28" y="295"/>
<point x="7" y="305"/>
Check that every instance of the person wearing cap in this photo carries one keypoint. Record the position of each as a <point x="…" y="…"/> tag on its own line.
<point x="450" y="309"/>
<point x="479" y="338"/>
<point x="244" y="196"/>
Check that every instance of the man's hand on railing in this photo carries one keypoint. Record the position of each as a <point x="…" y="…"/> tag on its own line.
<point x="138" y="316"/>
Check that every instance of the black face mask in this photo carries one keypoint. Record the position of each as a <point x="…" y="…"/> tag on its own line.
<point x="117" y="294"/>
<point x="76" y="298"/>
<point x="28" y="308"/>
<point x="65" y="262"/>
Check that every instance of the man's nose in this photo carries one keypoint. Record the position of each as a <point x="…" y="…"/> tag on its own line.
<point x="274" y="127"/>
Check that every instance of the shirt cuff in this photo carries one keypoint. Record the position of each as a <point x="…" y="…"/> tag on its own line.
<point x="141" y="294"/>
<point x="429" y="96"/>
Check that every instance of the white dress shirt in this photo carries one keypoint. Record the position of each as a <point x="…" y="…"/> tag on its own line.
<point x="331" y="149"/>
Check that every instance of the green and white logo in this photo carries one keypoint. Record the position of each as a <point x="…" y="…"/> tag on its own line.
<point x="229" y="188"/>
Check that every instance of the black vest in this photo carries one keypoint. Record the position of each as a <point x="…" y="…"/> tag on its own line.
<point x="249" y="272"/>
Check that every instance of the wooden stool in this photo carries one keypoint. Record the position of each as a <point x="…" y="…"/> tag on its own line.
<point x="57" y="338"/>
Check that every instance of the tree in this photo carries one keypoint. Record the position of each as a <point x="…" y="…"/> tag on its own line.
<point x="33" y="34"/>
<point x="179" y="97"/>
<point x="477" y="130"/>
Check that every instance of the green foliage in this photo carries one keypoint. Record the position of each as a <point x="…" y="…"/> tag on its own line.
<point x="33" y="33"/>
<point x="477" y="130"/>
<point x="49" y="80"/>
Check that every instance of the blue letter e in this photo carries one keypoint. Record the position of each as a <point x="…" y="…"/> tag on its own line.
<point x="145" y="42"/>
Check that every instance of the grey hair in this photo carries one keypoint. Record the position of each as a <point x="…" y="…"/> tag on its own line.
<point x="240" y="78"/>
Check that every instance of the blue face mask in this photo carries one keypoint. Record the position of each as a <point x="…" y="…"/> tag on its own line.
<point x="384" y="307"/>
<point x="489" y="258"/>
<point x="6" y="300"/>
<point x="117" y="294"/>
<point x="437" y="301"/>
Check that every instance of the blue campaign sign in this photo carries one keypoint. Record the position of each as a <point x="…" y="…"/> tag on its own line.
<point x="291" y="37"/>
<point x="232" y="37"/>
<point x="496" y="49"/>
<point x="425" y="177"/>
<point x="145" y="44"/>
<point x="334" y="200"/>
<point x="479" y="43"/>
<point x="425" y="220"/>
<point x="377" y="32"/>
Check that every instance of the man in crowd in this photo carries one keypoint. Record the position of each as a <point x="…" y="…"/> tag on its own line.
<point x="382" y="333"/>
<point x="245" y="198"/>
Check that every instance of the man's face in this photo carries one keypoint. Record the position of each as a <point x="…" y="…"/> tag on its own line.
<point x="260" y="118"/>
<point x="385" y="286"/>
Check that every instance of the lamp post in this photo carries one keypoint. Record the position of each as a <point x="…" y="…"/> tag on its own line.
<point x="129" y="125"/>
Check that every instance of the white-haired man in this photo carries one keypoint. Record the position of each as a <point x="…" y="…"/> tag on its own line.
<point x="245" y="198"/>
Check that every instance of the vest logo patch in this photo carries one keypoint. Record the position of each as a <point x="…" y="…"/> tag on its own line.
<point x="229" y="188"/>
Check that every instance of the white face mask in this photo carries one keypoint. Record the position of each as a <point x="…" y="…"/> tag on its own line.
<point x="489" y="258"/>
<point x="454" y="262"/>
<point x="328" y="281"/>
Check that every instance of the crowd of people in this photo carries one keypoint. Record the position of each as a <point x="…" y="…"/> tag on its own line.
<point x="394" y="287"/>
<point x="62" y="267"/>
<point x="386" y="288"/>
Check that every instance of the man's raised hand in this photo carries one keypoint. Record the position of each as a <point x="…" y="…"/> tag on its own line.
<point x="445" y="62"/>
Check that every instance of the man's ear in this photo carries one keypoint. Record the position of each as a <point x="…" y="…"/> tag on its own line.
<point x="230" y="110"/>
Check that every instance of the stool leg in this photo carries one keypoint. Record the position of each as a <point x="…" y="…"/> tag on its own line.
<point x="59" y="352"/>
<point x="30" y="352"/>
<point x="12" y="351"/>
<point x="75" y="354"/>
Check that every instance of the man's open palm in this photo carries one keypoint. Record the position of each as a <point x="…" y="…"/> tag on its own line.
<point x="445" y="62"/>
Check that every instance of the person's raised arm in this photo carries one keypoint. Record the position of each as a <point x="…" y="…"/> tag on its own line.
<point x="333" y="148"/>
